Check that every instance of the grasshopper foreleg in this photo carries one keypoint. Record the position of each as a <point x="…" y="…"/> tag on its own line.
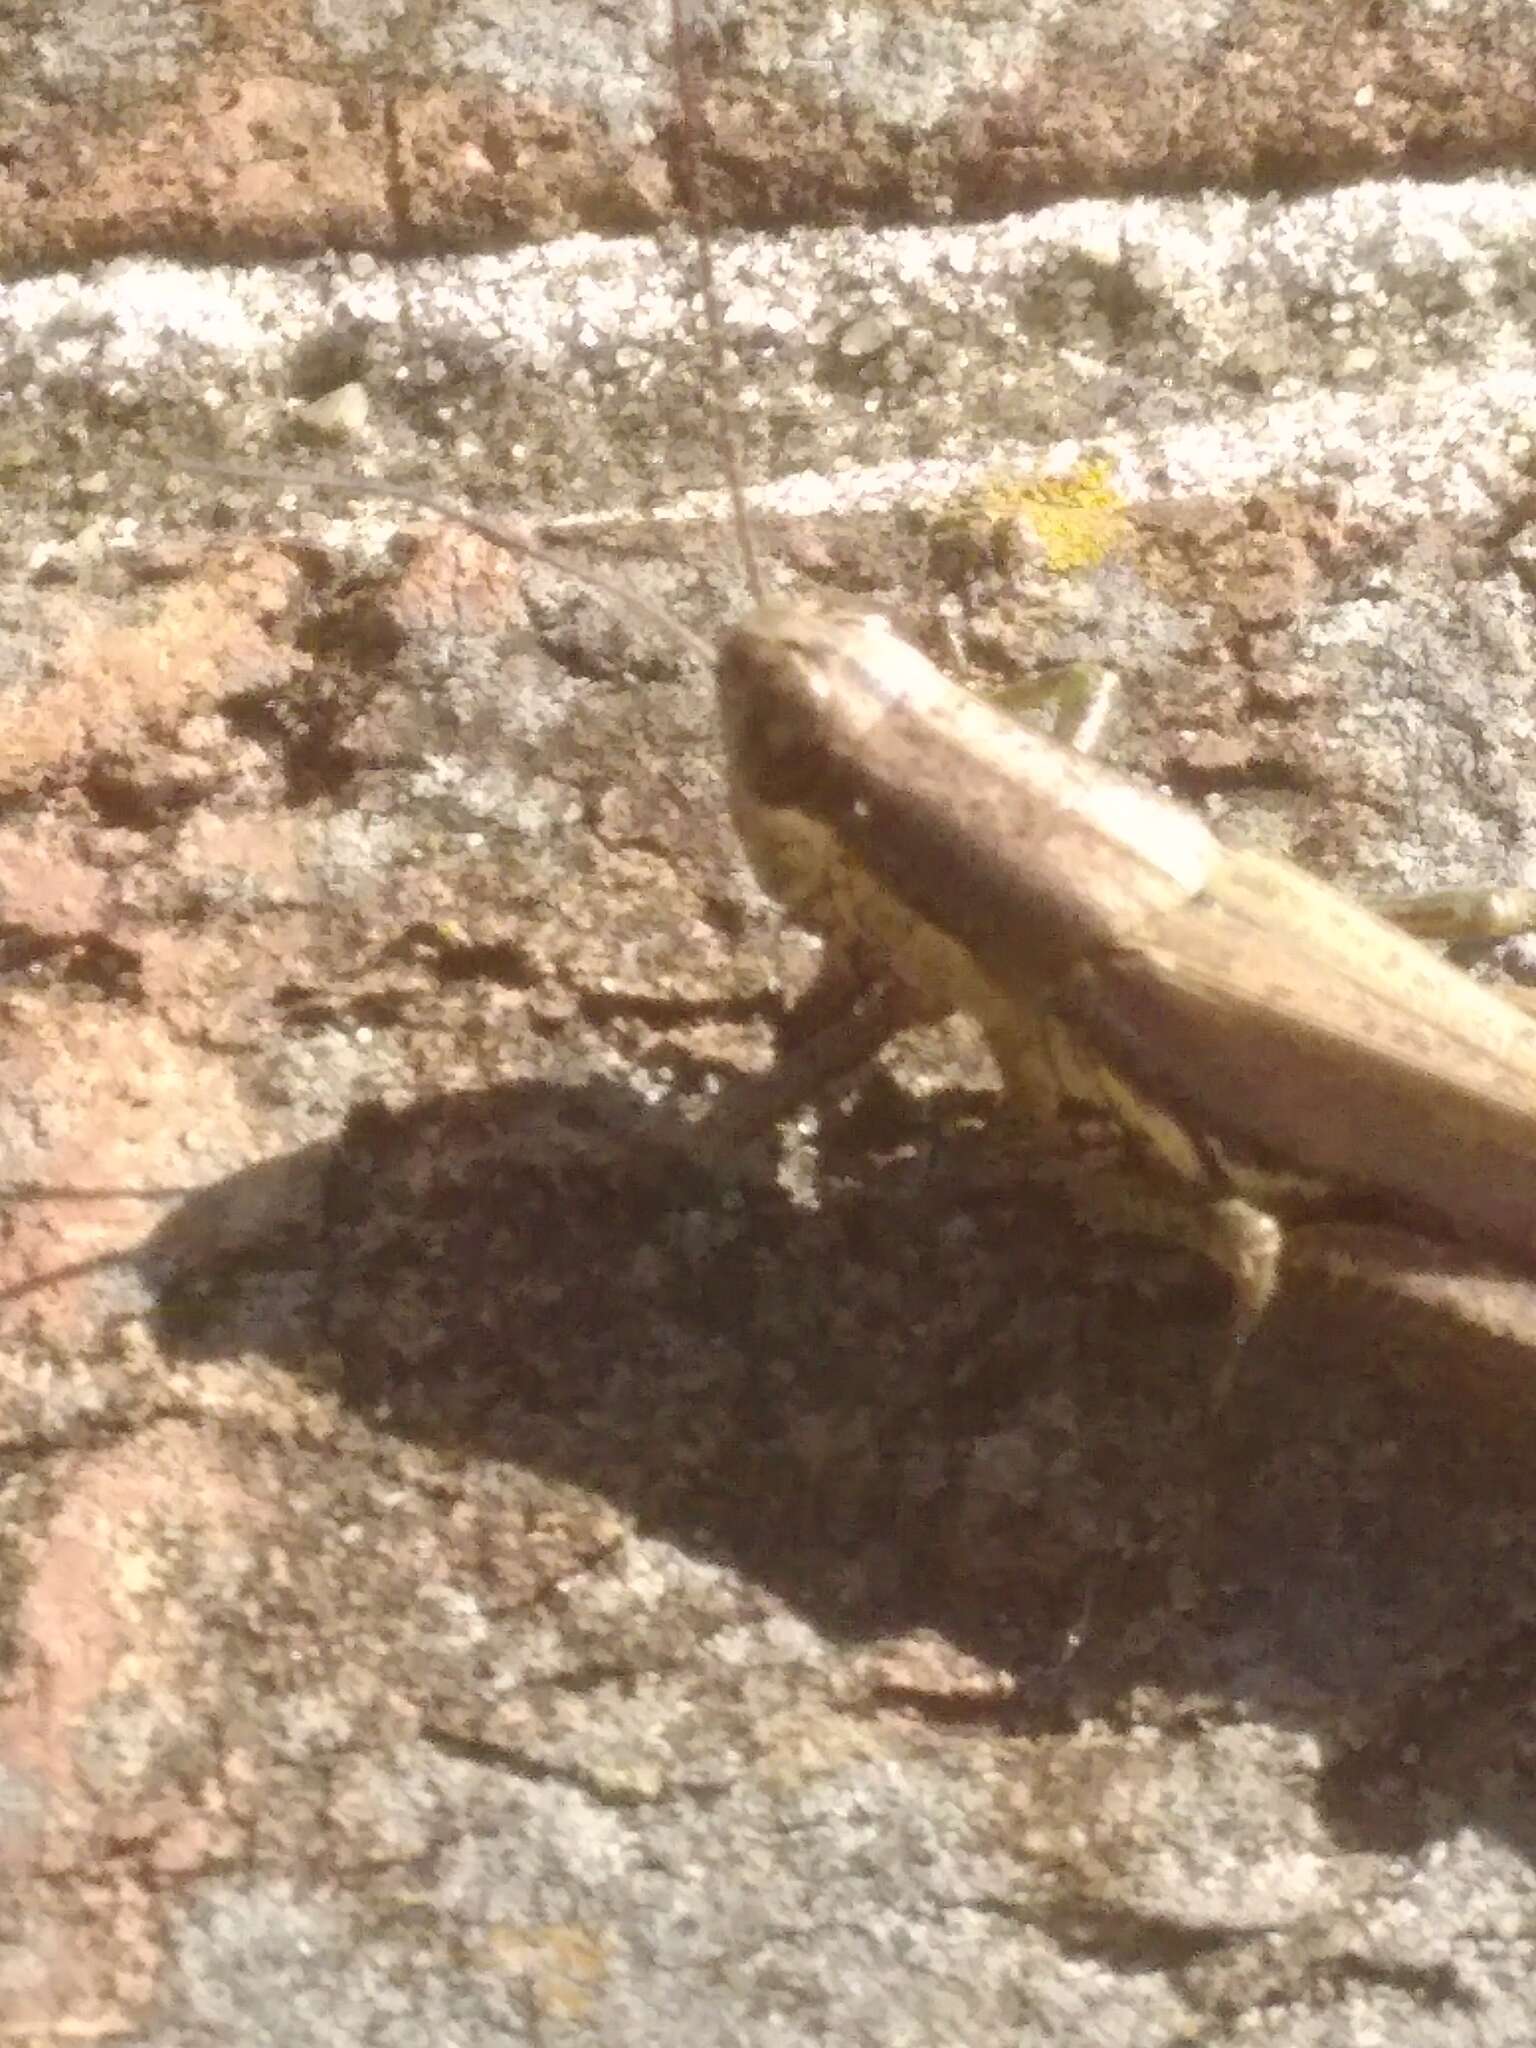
<point x="830" y="1037"/>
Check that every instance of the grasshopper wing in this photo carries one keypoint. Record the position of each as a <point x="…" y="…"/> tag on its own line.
<point x="1275" y="1014"/>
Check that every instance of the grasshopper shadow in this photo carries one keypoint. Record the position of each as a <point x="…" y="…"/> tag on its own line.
<point x="925" y="1404"/>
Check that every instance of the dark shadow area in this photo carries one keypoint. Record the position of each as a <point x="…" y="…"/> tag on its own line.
<point x="931" y="1402"/>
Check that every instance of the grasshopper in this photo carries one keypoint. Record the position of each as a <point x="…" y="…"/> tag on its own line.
<point x="1266" y="1044"/>
<point x="1276" y="1055"/>
<point x="1269" y="1044"/>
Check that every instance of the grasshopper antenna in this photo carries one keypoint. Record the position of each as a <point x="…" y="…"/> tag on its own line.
<point x="501" y="533"/>
<point x="516" y="539"/>
<point x="685" y="66"/>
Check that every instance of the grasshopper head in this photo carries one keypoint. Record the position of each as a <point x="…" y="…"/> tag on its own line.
<point x="808" y="693"/>
<point x="793" y="679"/>
<point x="799" y="685"/>
<point x="809" y="698"/>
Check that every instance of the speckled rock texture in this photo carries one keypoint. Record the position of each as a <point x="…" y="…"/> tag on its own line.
<point x="472" y="1571"/>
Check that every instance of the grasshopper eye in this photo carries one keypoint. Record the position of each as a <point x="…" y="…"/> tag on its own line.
<point x="773" y="735"/>
<point x="784" y="770"/>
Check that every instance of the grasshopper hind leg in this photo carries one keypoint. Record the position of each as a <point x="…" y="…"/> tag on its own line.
<point x="1242" y="1240"/>
<point x="1163" y="1181"/>
<point x="1247" y="1242"/>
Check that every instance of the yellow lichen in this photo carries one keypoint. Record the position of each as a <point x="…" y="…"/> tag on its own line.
<point x="1077" y="516"/>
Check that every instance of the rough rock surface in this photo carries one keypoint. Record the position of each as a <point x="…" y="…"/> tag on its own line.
<point x="473" y="1573"/>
